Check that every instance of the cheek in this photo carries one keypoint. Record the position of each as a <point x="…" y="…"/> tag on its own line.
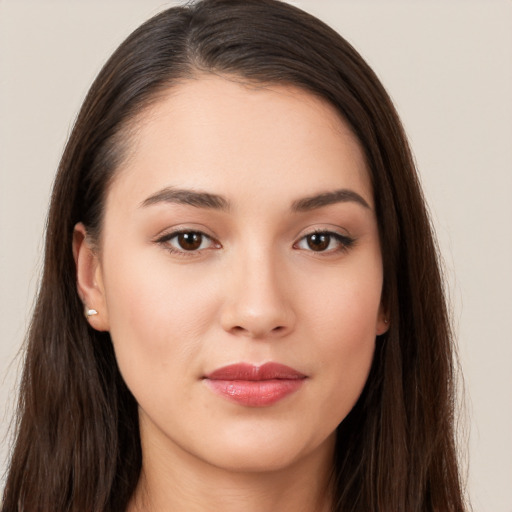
<point x="342" y="320"/>
<point x="345" y="302"/>
<point x="345" y="356"/>
<point x="157" y="318"/>
<point x="346" y="344"/>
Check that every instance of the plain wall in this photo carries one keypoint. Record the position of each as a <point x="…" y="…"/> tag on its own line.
<point x="448" y="67"/>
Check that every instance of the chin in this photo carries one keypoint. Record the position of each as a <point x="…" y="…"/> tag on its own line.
<point x="261" y="452"/>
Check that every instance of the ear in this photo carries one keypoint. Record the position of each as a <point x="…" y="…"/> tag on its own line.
<point x="382" y="325"/>
<point x="89" y="278"/>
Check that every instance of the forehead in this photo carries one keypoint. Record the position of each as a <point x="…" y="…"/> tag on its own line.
<point x="226" y="137"/>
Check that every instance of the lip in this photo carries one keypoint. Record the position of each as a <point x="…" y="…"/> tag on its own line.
<point x="255" y="386"/>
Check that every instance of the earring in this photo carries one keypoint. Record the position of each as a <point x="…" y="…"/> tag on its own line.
<point x="89" y="312"/>
<point x="386" y="320"/>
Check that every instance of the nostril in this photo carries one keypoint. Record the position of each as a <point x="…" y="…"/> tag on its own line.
<point x="238" y="329"/>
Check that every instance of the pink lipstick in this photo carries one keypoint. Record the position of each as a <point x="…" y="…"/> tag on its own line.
<point x="255" y="386"/>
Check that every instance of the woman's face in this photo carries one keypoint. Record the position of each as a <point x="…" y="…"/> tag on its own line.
<point x="240" y="274"/>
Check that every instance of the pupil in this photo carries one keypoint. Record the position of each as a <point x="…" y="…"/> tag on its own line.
<point x="318" y="242"/>
<point x="190" y="241"/>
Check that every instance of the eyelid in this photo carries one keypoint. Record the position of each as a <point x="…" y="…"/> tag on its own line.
<point x="164" y="239"/>
<point x="345" y="241"/>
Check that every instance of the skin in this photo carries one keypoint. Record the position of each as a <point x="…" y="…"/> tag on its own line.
<point x="255" y="291"/>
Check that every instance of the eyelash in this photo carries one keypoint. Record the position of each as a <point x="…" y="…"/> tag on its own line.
<point x="166" y="239"/>
<point x="344" y="242"/>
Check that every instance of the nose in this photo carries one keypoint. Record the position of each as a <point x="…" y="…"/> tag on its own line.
<point x="258" y="301"/>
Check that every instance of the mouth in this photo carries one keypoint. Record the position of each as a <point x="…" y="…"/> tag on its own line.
<point x="255" y="386"/>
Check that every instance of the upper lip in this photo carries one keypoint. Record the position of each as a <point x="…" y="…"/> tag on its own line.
<point x="251" y="372"/>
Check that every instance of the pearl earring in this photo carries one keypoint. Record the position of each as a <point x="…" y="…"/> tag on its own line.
<point x="89" y="312"/>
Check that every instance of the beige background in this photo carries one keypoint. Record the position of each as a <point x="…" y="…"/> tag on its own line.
<point x="448" y="66"/>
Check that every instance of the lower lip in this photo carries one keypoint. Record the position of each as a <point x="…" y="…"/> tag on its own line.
<point x="255" y="393"/>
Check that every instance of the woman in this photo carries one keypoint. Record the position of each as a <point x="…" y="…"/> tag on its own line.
<point x="264" y="320"/>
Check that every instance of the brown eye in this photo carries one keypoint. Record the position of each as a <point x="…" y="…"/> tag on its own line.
<point x="189" y="241"/>
<point x="318" y="241"/>
<point x="328" y="242"/>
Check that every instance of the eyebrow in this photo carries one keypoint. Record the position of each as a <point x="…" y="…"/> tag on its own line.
<point x="216" y="202"/>
<point x="327" y="198"/>
<point x="188" y="197"/>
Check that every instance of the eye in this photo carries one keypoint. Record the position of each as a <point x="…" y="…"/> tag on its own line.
<point x="187" y="241"/>
<point x="324" y="241"/>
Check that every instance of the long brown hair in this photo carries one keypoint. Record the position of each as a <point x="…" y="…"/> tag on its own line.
<point x="77" y="444"/>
